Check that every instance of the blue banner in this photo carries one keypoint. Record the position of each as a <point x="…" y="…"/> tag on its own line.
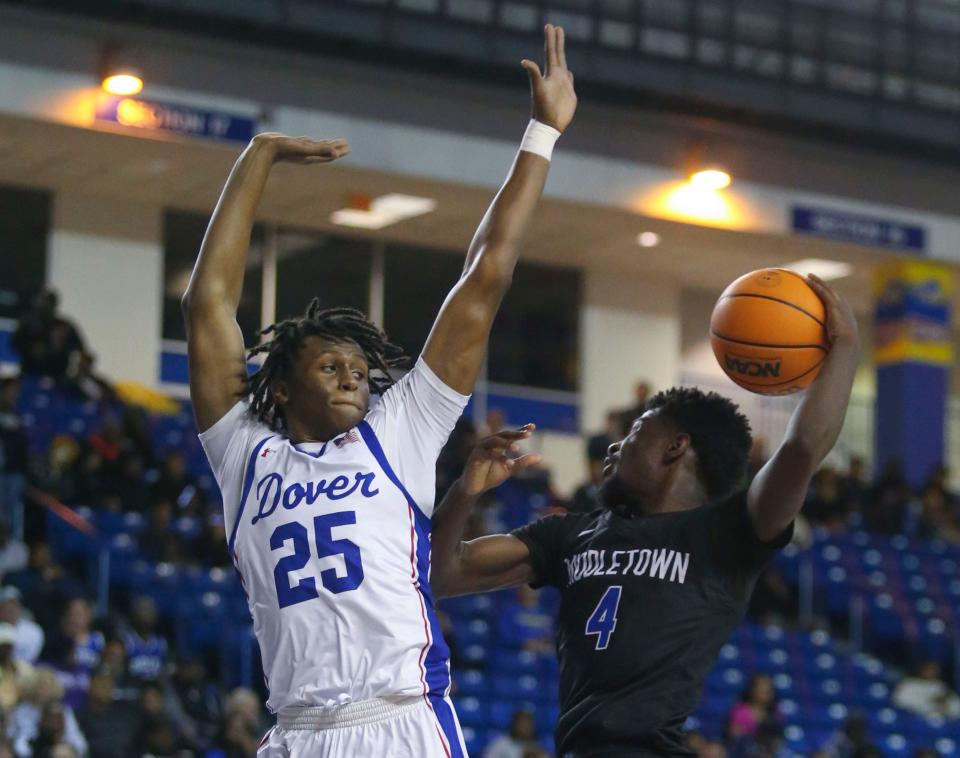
<point x="859" y="230"/>
<point x="185" y="120"/>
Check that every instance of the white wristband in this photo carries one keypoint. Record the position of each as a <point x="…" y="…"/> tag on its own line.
<point x="540" y="139"/>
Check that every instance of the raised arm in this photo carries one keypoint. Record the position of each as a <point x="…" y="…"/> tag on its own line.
<point x="214" y="341"/>
<point x="458" y="341"/>
<point x="487" y="563"/>
<point x="776" y="494"/>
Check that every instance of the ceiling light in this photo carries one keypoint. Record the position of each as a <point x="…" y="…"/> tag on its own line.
<point x="826" y="270"/>
<point x="384" y="211"/>
<point x="402" y="206"/>
<point x="710" y="179"/>
<point x="648" y="239"/>
<point x="122" y="84"/>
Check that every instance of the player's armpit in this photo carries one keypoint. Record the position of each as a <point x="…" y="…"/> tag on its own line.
<point x="483" y="565"/>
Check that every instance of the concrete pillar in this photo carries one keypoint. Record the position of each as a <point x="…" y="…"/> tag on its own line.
<point x="629" y="331"/>
<point x="105" y="258"/>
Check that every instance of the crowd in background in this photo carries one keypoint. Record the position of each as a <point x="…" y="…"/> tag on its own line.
<point x="76" y="680"/>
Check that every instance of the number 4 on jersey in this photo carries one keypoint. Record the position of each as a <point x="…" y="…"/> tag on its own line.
<point x="603" y="620"/>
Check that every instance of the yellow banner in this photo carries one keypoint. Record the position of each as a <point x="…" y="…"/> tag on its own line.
<point x="912" y="313"/>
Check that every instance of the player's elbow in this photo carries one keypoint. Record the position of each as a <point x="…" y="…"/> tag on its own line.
<point x="445" y="583"/>
<point x="196" y="302"/>
<point x="493" y="271"/>
<point x="806" y="448"/>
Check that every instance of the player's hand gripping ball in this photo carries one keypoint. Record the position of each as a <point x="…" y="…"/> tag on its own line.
<point x="768" y="331"/>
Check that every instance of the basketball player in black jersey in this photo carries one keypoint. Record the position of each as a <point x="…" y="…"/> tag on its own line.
<point x="653" y="584"/>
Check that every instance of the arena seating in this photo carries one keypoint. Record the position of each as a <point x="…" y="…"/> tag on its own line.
<point x="910" y="590"/>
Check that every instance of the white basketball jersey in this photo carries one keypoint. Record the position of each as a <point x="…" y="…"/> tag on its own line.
<point x="332" y="542"/>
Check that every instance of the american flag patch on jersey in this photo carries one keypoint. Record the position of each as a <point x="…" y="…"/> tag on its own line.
<point x="346" y="439"/>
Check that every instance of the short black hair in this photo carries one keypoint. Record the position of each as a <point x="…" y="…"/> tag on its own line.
<point x="334" y="324"/>
<point x="719" y="434"/>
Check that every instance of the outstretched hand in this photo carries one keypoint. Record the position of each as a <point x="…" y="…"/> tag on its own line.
<point x="302" y="149"/>
<point x="841" y="322"/>
<point x="554" y="99"/>
<point x="490" y="463"/>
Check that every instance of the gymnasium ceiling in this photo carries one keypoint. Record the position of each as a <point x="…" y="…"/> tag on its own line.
<point x="188" y="175"/>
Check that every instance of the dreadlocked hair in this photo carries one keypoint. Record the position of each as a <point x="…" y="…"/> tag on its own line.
<point x="335" y="324"/>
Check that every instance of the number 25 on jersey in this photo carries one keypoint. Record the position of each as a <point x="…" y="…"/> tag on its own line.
<point x="603" y="620"/>
<point x="306" y="589"/>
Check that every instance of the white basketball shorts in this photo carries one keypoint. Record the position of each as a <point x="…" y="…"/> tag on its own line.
<point x="423" y="727"/>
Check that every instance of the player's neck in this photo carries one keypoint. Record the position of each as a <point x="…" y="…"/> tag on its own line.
<point x="299" y="433"/>
<point x="678" y="490"/>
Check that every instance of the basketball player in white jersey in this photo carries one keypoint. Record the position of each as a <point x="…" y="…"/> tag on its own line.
<point x="327" y="501"/>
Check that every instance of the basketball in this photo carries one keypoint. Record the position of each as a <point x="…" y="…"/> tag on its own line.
<point x="768" y="332"/>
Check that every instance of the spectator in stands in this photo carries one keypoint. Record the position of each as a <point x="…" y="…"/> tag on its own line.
<point x="852" y="740"/>
<point x="107" y="724"/>
<point x="15" y="675"/>
<point x="933" y="518"/>
<point x="757" y="705"/>
<point x="41" y="715"/>
<point x="641" y="393"/>
<point x="131" y="485"/>
<point x="159" y="543"/>
<point x="712" y="749"/>
<point x="29" y="636"/>
<point x="210" y="548"/>
<point x="175" y="485"/>
<point x="13" y="553"/>
<point x="107" y="452"/>
<point x="13" y="449"/>
<point x="888" y="501"/>
<point x="83" y="381"/>
<point x="853" y="488"/>
<point x="772" y="601"/>
<point x="44" y="586"/>
<point x="926" y="694"/>
<point x="587" y="496"/>
<point x="613" y="432"/>
<point x="76" y="639"/>
<point x="521" y="737"/>
<point x="939" y="479"/>
<point x="525" y="624"/>
<point x="199" y="697"/>
<point x="146" y="650"/>
<point x="44" y="339"/>
<point x="242" y="727"/>
<point x="454" y="455"/>
<point x="155" y="734"/>
<point x="766" y="742"/>
<point x="825" y="505"/>
<point x="114" y="661"/>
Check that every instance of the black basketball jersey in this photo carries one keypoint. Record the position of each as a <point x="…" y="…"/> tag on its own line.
<point x="646" y="605"/>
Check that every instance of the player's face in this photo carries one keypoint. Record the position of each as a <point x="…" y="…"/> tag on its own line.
<point x="329" y="391"/>
<point x="637" y="458"/>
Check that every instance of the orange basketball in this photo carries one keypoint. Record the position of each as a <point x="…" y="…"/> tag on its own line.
<point x="767" y="332"/>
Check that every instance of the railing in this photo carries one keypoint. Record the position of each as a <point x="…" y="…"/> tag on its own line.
<point x="75" y="521"/>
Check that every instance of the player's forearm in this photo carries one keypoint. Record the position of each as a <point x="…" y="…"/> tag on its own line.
<point x="218" y="274"/>
<point x="495" y="246"/>
<point x="818" y="419"/>
<point x="446" y="541"/>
